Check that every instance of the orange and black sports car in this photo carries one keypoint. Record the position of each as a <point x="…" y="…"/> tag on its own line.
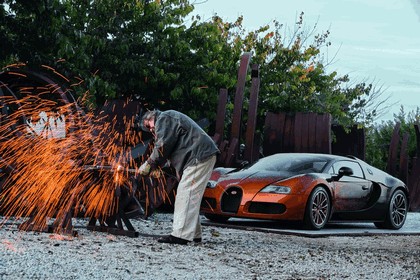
<point x="311" y="188"/>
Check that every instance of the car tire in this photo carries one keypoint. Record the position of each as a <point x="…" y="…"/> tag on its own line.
<point x="216" y="218"/>
<point x="317" y="210"/>
<point x="396" y="213"/>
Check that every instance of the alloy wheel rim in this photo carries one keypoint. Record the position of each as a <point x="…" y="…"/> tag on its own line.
<point x="320" y="208"/>
<point x="399" y="209"/>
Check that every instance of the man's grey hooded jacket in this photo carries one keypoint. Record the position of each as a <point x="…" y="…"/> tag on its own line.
<point x="180" y="140"/>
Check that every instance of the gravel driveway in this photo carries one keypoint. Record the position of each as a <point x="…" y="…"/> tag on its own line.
<point x="224" y="254"/>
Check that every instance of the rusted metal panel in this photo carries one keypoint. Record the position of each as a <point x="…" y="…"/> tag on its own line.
<point x="217" y="138"/>
<point x="403" y="168"/>
<point x="223" y="152"/>
<point x="361" y="144"/>
<point x="417" y="131"/>
<point x="220" y="118"/>
<point x="251" y="151"/>
<point x="300" y="132"/>
<point x="323" y="133"/>
<point x="391" y="166"/>
<point x="311" y="132"/>
<point x="304" y="143"/>
<point x="233" y="149"/>
<point x="306" y="138"/>
<point x="273" y="133"/>
<point x="414" y="177"/>
<point x="240" y="86"/>
<point x="232" y="152"/>
<point x="305" y="132"/>
<point x="349" y="143"/>
<point x="414" y="186"/>
<point x="288" y="133"/>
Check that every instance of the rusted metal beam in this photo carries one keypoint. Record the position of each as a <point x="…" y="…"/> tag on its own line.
<point x="414" y="178"/>
<point x="305" y="139"/>
<point x="223" y="147"/>
<point x="323" y="129"/>
<point x="301" y="132"/>
<point x="417" y="131"/>
<point x="349" y="142"/>
<point x="298" y="132"/>
<point x="239" y="95"/>
<point x="220" y="118"/>
<point x="312" y="132"/>
<point x="235" y="135"/>
<point x="288" y="133"/>
<point x="403" y="170"/>
<point x="232" y="152"/>
<point x="391" y="166"/>
<point x="414" y="185"/>
<point x="273" y="128"/>
<point x="251" y="152"/>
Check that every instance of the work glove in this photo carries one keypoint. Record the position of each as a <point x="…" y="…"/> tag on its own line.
<point x="157" y="173"/>
<point x="144" y="169"/>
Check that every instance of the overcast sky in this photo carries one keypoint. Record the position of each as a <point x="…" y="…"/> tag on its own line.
<point x="376" y="40"/>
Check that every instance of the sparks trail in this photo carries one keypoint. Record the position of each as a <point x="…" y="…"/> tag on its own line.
<point x="45" y="142"/>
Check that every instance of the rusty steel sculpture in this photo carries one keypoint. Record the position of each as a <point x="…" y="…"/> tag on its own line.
<point x="230" y="148"/>
<point x="58" y="162"/>
<point x="399" y="163"/>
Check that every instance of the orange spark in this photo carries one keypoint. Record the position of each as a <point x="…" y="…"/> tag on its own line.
<point x="47" y="142"/>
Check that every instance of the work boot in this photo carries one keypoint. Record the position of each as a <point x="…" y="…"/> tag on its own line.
<point x="172" y="240"/>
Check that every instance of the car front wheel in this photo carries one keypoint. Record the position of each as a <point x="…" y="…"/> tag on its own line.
<point x="397" y="211"/>
<point x="317" y="209"/>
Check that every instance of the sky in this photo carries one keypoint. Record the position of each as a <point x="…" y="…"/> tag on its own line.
<point x="373" y="41"/>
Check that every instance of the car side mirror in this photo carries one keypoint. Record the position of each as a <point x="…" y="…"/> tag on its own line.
<point x="241" y="165"/>
<point x="343" y="171"/>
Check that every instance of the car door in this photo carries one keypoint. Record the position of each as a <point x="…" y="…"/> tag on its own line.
<point x="351" y="193"/>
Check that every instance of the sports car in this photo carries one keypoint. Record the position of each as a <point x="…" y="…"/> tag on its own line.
<point x="313" y="189"/>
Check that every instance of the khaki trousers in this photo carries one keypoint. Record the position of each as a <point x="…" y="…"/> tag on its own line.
<point x="187" y="224"/>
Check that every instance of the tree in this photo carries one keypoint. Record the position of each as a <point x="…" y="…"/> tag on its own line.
<point x="153" y="50"/>
<point x="123" y="48"/>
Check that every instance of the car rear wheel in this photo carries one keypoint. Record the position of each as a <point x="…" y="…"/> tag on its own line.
<point x="216" y="218"/>
<point x="397" y="211"/>
<point x="317" y="209"/>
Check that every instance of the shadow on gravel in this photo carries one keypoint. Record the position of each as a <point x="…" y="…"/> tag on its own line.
<point x="411" y="227"/>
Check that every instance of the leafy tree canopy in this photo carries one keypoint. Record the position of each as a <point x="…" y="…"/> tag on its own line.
<point x="158" y="51"/>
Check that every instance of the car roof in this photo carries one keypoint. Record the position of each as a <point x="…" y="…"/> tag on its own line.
<point x="327" y="157"/>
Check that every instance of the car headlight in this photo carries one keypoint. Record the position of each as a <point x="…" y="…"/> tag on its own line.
<point x="211" y="184"/>
<point x="276" y="189"/>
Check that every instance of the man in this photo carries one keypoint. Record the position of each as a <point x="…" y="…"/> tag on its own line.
<point x="193" y="154"/>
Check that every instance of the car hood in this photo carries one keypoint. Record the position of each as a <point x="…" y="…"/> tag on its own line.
<point x="245" y="176"/>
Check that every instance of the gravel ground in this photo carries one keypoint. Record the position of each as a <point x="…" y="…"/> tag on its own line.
<point x="223" y="254"/>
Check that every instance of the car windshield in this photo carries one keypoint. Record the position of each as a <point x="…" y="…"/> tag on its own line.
<point x="295" y="163"/>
